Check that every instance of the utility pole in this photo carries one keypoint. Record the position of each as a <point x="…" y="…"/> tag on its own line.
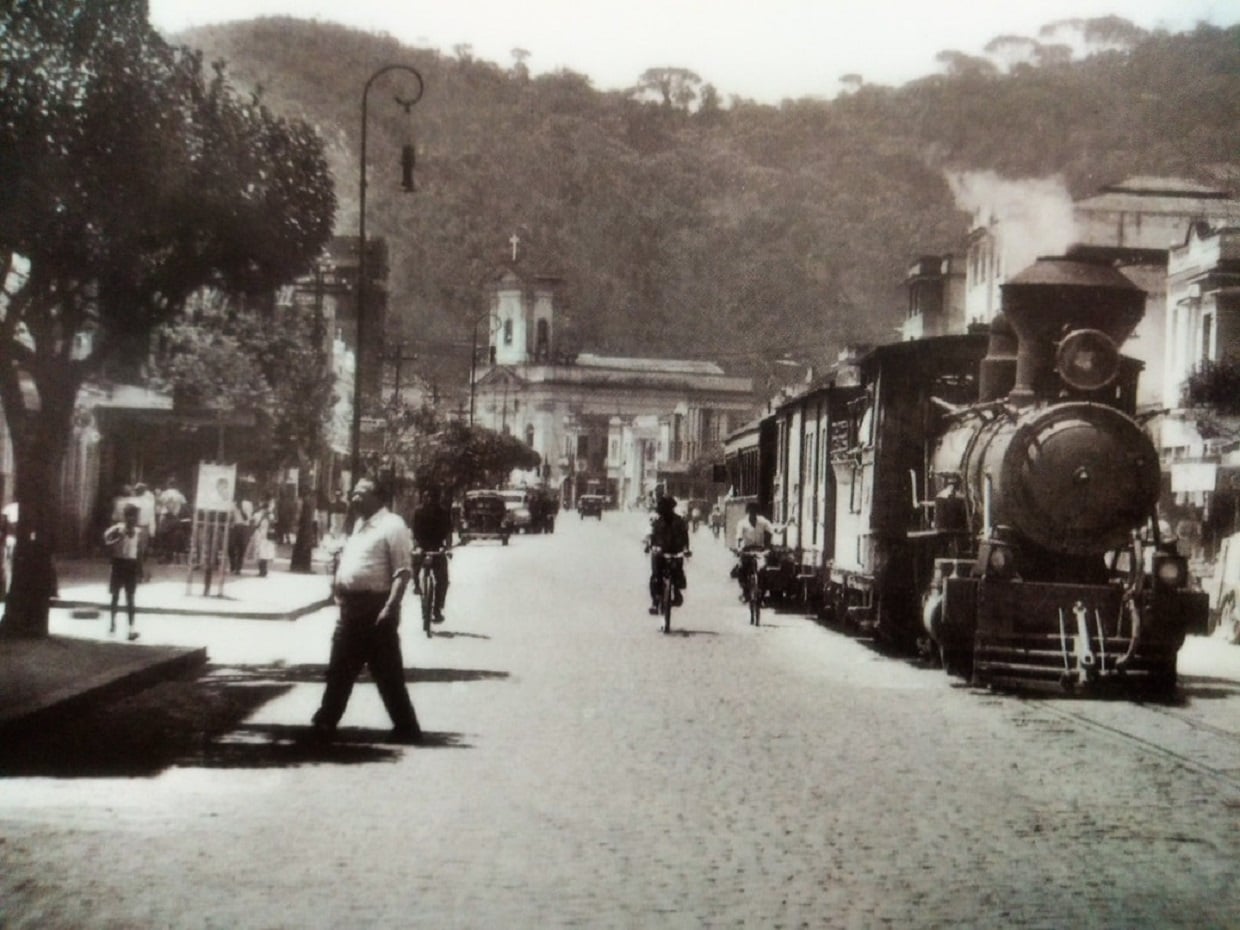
<point x="398" y="357"/>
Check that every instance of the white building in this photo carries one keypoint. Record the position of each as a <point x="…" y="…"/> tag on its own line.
<point x="602" y="424"/>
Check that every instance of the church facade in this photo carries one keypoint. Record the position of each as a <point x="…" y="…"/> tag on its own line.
<point x="602" y="424"/>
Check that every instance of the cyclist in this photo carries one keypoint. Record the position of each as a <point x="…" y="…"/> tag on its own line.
<point x="432" y="530"/>
<point x="669" y="533"/>
<point x="752" y="533"/>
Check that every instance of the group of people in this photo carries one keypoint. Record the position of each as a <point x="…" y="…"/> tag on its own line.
<point x="143" y="520"/>
<point x="252" y="534"/>
<point x="669" y="533"/>
<point x="383" y="553"/>
<point x="162" y="513"/>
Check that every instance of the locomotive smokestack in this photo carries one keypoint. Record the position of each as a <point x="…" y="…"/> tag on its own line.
<point x="997" y="373"/>
<point x="1054" y="296"/>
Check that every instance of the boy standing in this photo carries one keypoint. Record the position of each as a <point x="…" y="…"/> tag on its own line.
<point x="126" y="547"/>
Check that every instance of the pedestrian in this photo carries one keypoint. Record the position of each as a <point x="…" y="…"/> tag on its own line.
<point x="262" y="545"/>
<point x="302" y="557"/>
<point x="126" y="546"/>
<point x="239" y="531"/>
<point x="145" y="499"/>
<point x="369" y="584"/>
<point x="172" y="504"/>
<point x="11" y="513"/>
<point x="338" y="510"/>
<point x="286" y="514"/>
<point x="123" y="496"/>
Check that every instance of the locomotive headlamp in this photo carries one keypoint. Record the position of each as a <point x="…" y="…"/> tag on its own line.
<point x="1087" y="360"/>
<point x="1171" y="570"/>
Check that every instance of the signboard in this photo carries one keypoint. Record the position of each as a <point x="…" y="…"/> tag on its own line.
<point x="216" y="487"/>
<point x="1193" y="477"/>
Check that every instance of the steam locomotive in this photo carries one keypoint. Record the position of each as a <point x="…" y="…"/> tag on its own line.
<point x="989" y="498"/>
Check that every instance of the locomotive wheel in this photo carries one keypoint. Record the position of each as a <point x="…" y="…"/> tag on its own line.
<point x="956" y="662"/>
<point x="1160" y="685"/>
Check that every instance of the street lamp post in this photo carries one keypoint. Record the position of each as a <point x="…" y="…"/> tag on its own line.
<point x="407" y="168"/>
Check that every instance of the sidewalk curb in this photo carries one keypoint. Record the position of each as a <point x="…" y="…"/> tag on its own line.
<point x="141" y="672"/>
<point x="222" y="611"/>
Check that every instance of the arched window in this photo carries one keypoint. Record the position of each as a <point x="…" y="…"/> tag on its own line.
<point x="543" y="339"/>
<point x="508" y="332"/>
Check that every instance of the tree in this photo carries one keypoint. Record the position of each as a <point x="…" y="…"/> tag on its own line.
<point x="1215" y="385"/>
<point x="675" y="87"/>
<point x="227" y="356"/>
<point x="520" y="70"/>
<point x="459" y="457"/>
<point x="128" y="181"/>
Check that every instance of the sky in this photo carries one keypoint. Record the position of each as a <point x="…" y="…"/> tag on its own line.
<point x="763" y="50"/>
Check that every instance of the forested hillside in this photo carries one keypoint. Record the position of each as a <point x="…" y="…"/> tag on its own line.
<point x="690" y="226"/>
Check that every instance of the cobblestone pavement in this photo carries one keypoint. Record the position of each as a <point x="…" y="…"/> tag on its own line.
<point x="585" y="770"/>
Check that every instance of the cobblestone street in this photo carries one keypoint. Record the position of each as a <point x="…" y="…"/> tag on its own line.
<point x="583" y="769"/>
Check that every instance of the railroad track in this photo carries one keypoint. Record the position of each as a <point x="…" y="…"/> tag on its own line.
<point x="1209" y="750"/>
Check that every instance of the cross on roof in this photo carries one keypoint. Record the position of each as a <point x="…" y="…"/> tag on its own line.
<point x="513" y="242"/>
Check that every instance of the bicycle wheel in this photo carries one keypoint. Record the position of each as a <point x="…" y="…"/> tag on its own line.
<point x="428" y="599"/>
<point x="755" y="601"/>
<point x="665" y="604"/>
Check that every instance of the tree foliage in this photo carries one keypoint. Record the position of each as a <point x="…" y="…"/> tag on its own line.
<point x="227" y="355"/>
<point x="1215" y="385"/>
<point x="459" y="457"/>
<point x="129" y="179"/>
<point x="689" y="233"/>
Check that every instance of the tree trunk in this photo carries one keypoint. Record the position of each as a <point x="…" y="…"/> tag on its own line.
<point x="303" y="547"/>
<point x="38" y="455"/>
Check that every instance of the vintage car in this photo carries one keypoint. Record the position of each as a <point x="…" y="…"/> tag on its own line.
<point x="590" y="505"/>
<point x="517" y="500"/>
<point x="484" y="515"/>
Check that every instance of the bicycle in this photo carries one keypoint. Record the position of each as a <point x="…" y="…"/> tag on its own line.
<point x="428" y="581"/>
<point x="751" y="561"/>
<point x="667" y="586"/>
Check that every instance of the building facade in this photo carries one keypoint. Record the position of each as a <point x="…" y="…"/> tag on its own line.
<point x="1200" y="437"/>
<point x="602" y="424"/>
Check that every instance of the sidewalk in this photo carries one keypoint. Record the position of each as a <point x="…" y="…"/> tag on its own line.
<point x="282" y="595"/>
<point x="44" y="677"/>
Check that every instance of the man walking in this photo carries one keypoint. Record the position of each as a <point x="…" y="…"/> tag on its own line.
<point x="369" y="584"/>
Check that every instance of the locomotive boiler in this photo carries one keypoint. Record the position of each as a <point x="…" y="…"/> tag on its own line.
<point x="1042" y="528"/>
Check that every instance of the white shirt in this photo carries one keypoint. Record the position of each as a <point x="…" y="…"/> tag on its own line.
<point x="755" y="535"/>
<point x="375" y="553"/>
<point x="121" y="543"/>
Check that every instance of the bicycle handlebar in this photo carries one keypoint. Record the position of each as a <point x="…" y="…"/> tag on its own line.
<point x="655" y="550"/>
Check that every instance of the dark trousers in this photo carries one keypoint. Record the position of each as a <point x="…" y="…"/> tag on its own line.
<point x="656" y="576"/>
<point x="439" y="565"/>
<point x="238" y="539"/>
<point x="124" y="578"/>
<point x="358" y="642"/>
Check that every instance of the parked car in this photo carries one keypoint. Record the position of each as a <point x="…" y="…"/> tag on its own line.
<point x="517" y="500"/>
<point x="484" y="515"/>
<point x="590" y="505"/>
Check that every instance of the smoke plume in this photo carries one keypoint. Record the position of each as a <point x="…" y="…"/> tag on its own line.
<point x="1028" y="217"/>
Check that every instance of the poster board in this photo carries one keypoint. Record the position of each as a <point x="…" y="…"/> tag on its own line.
<point x="213" y="512"/>
<point x="216" y="487"/>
